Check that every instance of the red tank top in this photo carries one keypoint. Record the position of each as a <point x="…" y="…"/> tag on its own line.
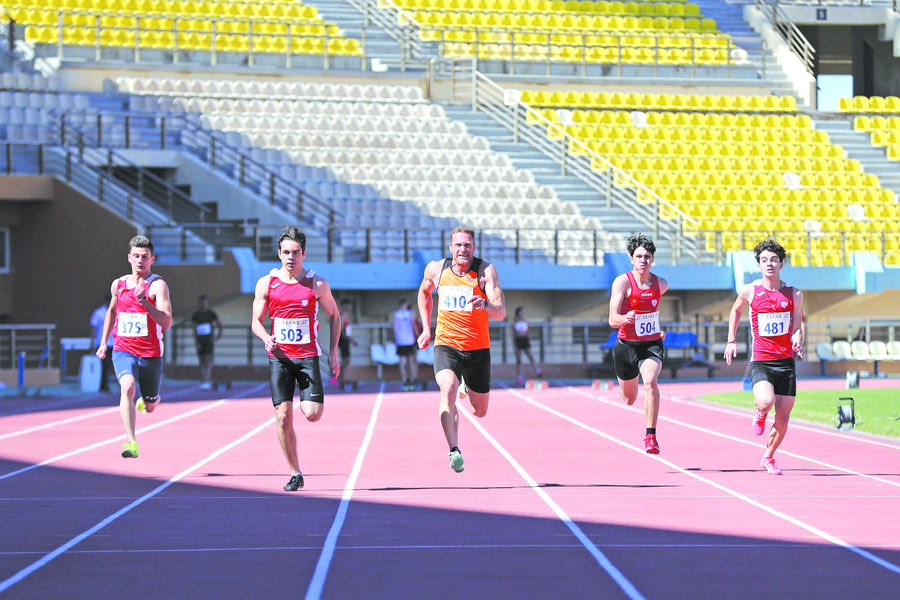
<point x="458" y="325"/>
<point x="135" y="330"/>
<point x="645" y="304"/>
<point x="292" y="309"/>
<point x="770" y="321"/>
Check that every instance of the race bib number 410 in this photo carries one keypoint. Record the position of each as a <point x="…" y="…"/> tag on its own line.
<point x="646" y="323"/>
<point x="773" y="324"/>
<point x="132" y="325"/>
<point x="455" y="298"/>
<point x="292" y="332"/>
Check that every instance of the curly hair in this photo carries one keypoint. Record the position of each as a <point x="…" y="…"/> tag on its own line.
<point x="639" y="240"/>
<point x="772" y="246"/>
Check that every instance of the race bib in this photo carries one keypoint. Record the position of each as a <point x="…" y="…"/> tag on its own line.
<point x="773" y="324"/>
<point x="292" y="332"/>
<point x="204" y="329"/>
<point x="521" y="326"/>
<point x="455" y="298"/>
<point x="132" y="325"/>
<point x="349" y="330"/>
<point x="646" y="324"/>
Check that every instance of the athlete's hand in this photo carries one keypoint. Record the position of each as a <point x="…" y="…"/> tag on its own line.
<point x="424" y="339"/>
<point x="101" y="352"/>
<point x="629" y="316"/>
<point x="730" y="351"/>
<point x="478" y="303"/>
<point x="139" y="291"/>
<point x="270" y="343"/>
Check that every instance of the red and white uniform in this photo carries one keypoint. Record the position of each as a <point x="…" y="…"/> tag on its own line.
<point x="135" y="330"/>
<point x="645" y="304"/>
<point x="770" y="321"/>
<point x="292" y="309"/>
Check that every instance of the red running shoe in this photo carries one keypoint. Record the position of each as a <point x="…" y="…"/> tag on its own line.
<point x="650" y="444"/>
<point x="768" y="463"/>
<point x="759" y="422"/>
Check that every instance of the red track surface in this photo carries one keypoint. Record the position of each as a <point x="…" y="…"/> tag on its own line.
<point x="558" y="500"/>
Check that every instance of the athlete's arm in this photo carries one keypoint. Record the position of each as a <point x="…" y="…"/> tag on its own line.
<point x="616" y="298"/>
<point x="108" y="321"/>
<point x="496" y="302"/>
<point x="162" y="311"/>
<point x="663" y="285"/>
<point x="425" y="301"/>
<point x="734" y="319"/>
<point x="797" y="334"/>
<point x="260" y="299"/>
<point x="326" y="301"/>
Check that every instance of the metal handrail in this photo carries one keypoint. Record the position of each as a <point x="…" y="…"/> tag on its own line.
<point x="661" y="217"/>
<point x="792" y="36"/>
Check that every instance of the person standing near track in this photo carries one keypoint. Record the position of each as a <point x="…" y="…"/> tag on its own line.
<point x="522" y="344"/>
<point x="139" y="312"/>
<point x="776" y="323"/>
<point x="638" y="352"/>
<point x="207" y="331"/>
<point x="344" y="347"/>
<point x="290" y="297"/>
<point x="406" y="329"/>
<point x="469" y="294"/>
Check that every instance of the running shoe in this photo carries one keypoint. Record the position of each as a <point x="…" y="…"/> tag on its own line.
<point x="139" y="405"/>
<point x="768" y="463"/>
<point x="130" y="449"/>
<point x="463" y="391"/>
<point x="295" y="483"/>
<point x="650" y="444"/>
<point x="456" y="460"/>
<point x="759" y="422"/>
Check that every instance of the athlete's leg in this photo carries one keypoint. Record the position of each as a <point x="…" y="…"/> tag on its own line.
<point x="650" y="370"/>
<point x="783" y="407"/>
<point x="628" y="389"/>
<point x="312" y="410"/>
<point x="284" y="420"/>
<point x="449" y="386"/>
<point x="479" y="402"/>
<point x="126" y="404"/>
<point x="763" y="396"/>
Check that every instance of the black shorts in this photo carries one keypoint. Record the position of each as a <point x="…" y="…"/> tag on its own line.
<point x="344" y="349"/>
<point x="782" y="374"/>
<point x="628" y="356"/>
<point x="522" y="343"/>
<point x="407" y="350"/>
<point x="472" y="365"/>
<point x="205" y="347"/>
<point x="287" y="374"/>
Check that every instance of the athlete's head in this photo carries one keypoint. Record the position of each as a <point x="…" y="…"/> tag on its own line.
<point x="140" y="241"/>
<point x="462" y="244"/>
<point x="519" y="311"/>
<point x="293" y="234"/>
<point x="640" y="241"/>
<point x="771" y="246"/>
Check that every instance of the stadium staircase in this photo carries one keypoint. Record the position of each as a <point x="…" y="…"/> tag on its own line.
<point x="858" y="145"/>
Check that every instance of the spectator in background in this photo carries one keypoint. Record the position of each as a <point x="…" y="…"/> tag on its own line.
<point x="207" y="331"/>
<point x="344" y="347"/>
<point x="522" y="343"/>
<point x="97" y="318"/>
<point x="406" y="331"/>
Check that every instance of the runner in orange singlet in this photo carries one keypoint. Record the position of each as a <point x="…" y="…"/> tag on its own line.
<point x="468" y="294"/>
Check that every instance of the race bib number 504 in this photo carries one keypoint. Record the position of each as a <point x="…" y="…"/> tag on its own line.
<point x="292" y="332"/>
<point x="646" y="323"/>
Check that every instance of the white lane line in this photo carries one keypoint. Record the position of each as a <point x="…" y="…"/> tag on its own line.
<point x="630" y="590"/>
<point x="96" y="413"/>
<point x="22" y="574"/>
<point x="741" y="441"/>
<point x="119" y="438"/>
<point x="314" y="591"/>
<point x="797" y="522"/>
<point x="820" y="430"/>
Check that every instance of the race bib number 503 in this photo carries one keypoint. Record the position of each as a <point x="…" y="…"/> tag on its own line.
<point x="292" y="332"/>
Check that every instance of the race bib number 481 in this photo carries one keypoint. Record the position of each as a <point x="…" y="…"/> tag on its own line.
<point x="455" y="298"/>
<point x="292" y="332"/>
<point x="773" y="324"/>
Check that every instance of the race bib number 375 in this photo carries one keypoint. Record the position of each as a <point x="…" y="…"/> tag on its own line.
<point x="292" y="332"/>
<point x="132" y="325"/>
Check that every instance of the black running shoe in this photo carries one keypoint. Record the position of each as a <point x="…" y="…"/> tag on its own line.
<point x="294" y="484"/>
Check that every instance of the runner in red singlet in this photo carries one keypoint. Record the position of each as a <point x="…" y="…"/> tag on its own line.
<point x="776" y="322"/>
<point x="139" y="312"/>
<point x="634" y="311"/>
<point x="290" y="297"/>
<point x="468" y="294"/>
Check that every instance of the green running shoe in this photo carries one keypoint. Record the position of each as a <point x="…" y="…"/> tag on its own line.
<point x="456" y="460"/>
<point x="139" y="405"/>
<point x="130" y="449"/>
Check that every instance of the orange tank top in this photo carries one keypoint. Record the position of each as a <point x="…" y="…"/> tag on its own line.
<point x="458" y="325"/>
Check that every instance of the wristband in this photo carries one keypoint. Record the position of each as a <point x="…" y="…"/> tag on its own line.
<point x="729" y="342"/>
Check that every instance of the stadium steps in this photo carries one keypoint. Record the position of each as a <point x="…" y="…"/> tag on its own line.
<point x="859" y="146"/>
<point x="547" y="172"/>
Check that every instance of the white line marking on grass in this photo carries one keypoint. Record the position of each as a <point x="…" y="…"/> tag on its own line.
<point x="314" y="591"/>
<point x="607" y="565"/>
<point x="22" y="574"/>
<point x="742" y="441"/>
<point x="797" y="522"/>
<point x="119" y="438"/>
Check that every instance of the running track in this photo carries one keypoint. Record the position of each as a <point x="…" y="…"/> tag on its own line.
<point x="558" y="500"/>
